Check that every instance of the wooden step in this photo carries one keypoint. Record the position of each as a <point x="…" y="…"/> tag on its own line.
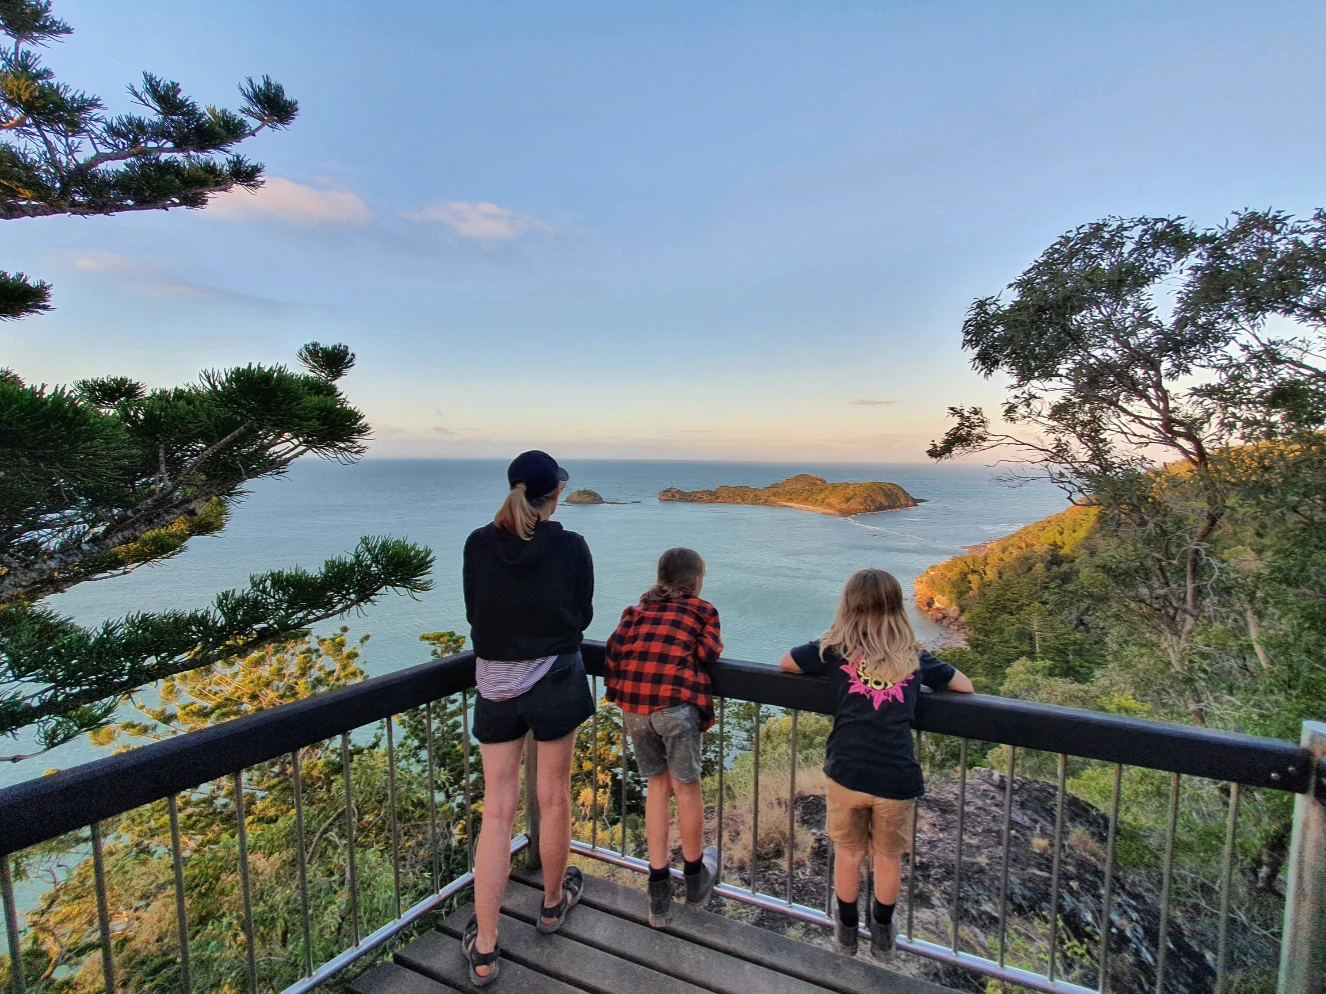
<point x="656" y="949"/>
<point x="572" y="962"/>
<point x="438" y="956"/>
<point x="389" y="978"/>
<point x="777" y="953"/>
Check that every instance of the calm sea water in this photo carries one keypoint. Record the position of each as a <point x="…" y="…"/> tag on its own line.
<point x="774" y="573"/>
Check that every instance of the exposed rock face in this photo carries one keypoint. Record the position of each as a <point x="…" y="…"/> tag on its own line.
<point x="584" y="497"/>
<point x="1134" y="910"/>
<point x="811" y="493"/>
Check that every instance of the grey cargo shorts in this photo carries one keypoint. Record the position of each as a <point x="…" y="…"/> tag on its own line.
<point x="667" y="740"/>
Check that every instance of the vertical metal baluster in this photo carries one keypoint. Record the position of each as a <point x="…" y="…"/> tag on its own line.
<point x="395" y="828"/>
<point x="1226" y="884"/>
<point x="722" y="739"/>
<point x="594" y="774"/>
<point x="465" y="756"/>
<point x="244" y="887"/>
<point x="432" y="797"/>
<point x="103" y="910"/>
<point x="1054" y="866"/>
<point x="792" y="811"/>
<point x="755" y="804"/>
<point x="352" y="881"/>
<point x="1103" y="981"/>
<point x="1167" y="877"/>
<point x="957" y="863"/>
<point x="911" y="858"/>
<point x="625" y="759"/>
<point x="1003" y="876"/>
<point x="11" y="926"/>
<point x="181" y="911"/>
<point x="828" y="876"/>
<point x="301" y="849"/>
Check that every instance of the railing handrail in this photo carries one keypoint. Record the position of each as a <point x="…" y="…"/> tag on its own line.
<point x="46" y="807"/>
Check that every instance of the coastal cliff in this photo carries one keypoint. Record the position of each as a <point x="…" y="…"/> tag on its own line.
<point x="945" y="590"/>
<point x="810" y="493"/>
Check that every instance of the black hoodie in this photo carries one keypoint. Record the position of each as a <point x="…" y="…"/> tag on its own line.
<point x="526" y="599"/>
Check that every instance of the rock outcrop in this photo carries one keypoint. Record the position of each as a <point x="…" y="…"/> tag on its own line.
<point x="584" y="497"/>
<point x="810" y="493"/>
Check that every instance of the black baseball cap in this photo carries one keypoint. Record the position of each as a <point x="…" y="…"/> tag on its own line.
<point x="538" y="471"/>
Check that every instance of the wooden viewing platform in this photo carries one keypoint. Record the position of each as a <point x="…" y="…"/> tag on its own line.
<point x="606" y="946"/>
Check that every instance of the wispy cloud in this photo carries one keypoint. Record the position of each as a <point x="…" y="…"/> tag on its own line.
<point x="866" y="402"/>
<point x="150" y="277"/>
<point x="481" y="222"/>
<point x="285" y="200"/>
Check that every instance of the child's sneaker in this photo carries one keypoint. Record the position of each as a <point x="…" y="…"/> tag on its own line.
<point x="700" y="886"/>
<point x="660" y="902"/>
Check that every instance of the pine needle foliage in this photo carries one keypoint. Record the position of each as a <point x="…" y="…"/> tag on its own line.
<point x="106" y="476"/>
<point x="103" y="476"/>
<point x="63" y="153"/>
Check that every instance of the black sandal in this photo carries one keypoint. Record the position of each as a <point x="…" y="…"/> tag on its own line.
<point x="572" y="885"/>
<point x="468" y="943"/>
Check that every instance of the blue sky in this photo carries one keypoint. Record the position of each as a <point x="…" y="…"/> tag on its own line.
<point x="700" y="230"/>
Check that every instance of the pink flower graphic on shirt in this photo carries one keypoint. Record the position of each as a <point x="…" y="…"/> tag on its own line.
<point x="877" y="691"/>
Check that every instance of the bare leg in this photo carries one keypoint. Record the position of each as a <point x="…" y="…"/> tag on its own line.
<point x="847" y="874"/>
<point x="888" y="878"/>
<point x="554" y="791"/>
<point x="658" y="820"/>
<point x="690" y="819"/>
<point x="492" y="856"/>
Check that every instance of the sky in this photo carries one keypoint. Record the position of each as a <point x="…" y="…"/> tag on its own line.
<point x="708" y="230"/>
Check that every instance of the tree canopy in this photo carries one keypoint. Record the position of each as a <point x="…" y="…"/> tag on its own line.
<point x="1142" y="357"/>
<point x="62" y="153"/>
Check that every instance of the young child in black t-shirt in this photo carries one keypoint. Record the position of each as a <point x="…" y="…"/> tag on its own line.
<point x="875" y="668"/>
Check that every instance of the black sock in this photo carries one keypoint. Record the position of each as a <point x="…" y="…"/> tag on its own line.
<point x="883" y="912"/>
<point x="847" y="913"/>
<point x="656" y="875"/>
<point x="693" y="866"/>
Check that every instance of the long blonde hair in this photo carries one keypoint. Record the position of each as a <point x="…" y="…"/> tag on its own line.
<point x="680" y="571"/>
<point x="518" y="514"/>
<point x="871" y="628"/>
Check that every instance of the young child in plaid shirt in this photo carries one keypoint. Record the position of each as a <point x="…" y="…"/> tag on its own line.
<point x="657" y="663"/>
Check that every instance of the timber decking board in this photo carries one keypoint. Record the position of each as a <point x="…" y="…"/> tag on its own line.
<point x="757" y="945"/>
<point x="573" y="962"/>
<point x="657" y="949"/>
<point x="438" y="956"/>
<point x="606" y="946"/>
<point x="388" y="978"/>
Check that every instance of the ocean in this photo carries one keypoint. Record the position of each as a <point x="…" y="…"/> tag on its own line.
<point x="774" y="573"/>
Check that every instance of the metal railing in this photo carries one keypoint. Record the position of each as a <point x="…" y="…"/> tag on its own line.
<point x="88" y="796"/>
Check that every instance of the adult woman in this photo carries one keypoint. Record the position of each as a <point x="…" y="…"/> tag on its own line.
<point x="529" y="588"/>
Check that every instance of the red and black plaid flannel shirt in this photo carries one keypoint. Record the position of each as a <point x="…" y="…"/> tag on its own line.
<point x="657" y="657"/>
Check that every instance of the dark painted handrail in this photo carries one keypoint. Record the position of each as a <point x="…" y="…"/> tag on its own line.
<point x="49" y="806"/>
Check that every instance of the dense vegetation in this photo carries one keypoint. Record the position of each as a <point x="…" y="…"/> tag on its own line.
<point x="1172" y="380"/>
<point x="811" y="492"/>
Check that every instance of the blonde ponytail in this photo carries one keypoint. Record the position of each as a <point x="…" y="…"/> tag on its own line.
<point x="517" y="515"/>
<point x="871" y="629"/>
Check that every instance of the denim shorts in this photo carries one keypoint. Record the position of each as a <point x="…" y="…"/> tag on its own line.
<point x="553" y="708"/>
<point x="667" y="740"/>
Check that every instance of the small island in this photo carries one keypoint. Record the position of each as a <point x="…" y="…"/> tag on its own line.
<point x="590" y="497"/>
<point x="809" y="493"/>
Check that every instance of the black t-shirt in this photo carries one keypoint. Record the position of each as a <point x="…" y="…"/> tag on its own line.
<point x="870" y="747"/>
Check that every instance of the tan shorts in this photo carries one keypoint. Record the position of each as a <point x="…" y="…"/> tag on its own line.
<point x="857" y="820"/>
